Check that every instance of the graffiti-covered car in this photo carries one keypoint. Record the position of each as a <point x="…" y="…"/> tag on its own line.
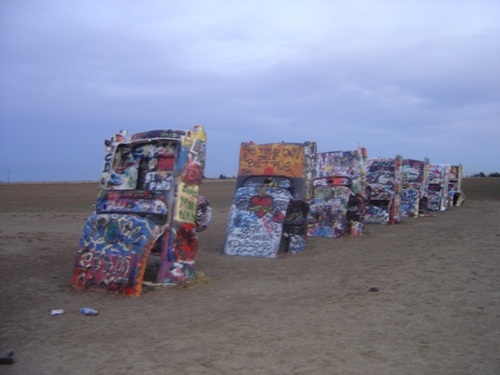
<point x="148" y="210"/>
<point x="414" y="187"/>
<point x="338" y="206"/>
<point x="384" y="178"/>
<point x="456" y="196"/>
<point x="437" y="187"/>
<point x="268" y="214"/>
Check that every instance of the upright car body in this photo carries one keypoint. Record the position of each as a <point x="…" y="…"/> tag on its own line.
<point x="147" y="212"/>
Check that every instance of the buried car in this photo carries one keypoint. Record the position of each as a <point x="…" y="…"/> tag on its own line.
<point x="268" y="214"/>
<point x="437" y="187"/>
<point x="414" y="187"/>
<point x="338" y="206"/>
<point x="456" y="196"/>
<point x="147" y="212"/>
<point x="383" y="177"/>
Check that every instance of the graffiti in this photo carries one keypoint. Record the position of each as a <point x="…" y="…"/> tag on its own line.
<point x="377" y="214"/>
<point x="356" y="208"/>
<point x="256" y="221"/>
<point x="110" y="147"/>
<point x="384" y="178"/>
<point x="333" y="181"/>
<point x="395" y="210"/>
<point x="396" y="201"/>
<point x="203" y="213"/>
<point x="137" y="201"/>
<point x="149" y="179"/>
<point x="351" y="164"/>
<point x="414" y="186"/>
<point x="178" y="263"/>
<point x="297" y="243"/>
<point x="193" y="173"/>
<point x="455" y="172"/>
<point x="124" y="168"/>
<point x="186" y="207"/>
<point x="339" y="194"/>
<point x="382" y="191"/>
<point x="337" y="163"/>
<point x="272" y="159"/>
<point x="328" y="214"/>
<point x="356" y="228"/>
<point x="177" y="272"/>
<point x="310" y="151"/>
<point x="138" y="206"/>
<point x="410" y="202"/>
<point x="107" y="160"/>
<point x="437" y="187"/>
<point x="193" y="156"/>
<point x="271" y="203"/>
<point x="158" y="181"/>
<point x="142" y="166"/>
<point x="456" y="196"/>
<point x="412" y="173"/>
<point x="295" y="227"/>
<point x="113" y="251"/>
<point x="150" y="134"/>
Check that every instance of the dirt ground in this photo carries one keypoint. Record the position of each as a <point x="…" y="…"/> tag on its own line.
<point x="437" y="309"/>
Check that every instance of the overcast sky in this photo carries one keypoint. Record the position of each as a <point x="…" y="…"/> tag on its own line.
<point x="417" y="78"/>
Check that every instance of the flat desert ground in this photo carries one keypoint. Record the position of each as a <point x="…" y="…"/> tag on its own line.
<point x="437" y="309"/>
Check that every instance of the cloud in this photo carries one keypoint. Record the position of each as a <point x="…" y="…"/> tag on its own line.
<point x="395" y="76"/>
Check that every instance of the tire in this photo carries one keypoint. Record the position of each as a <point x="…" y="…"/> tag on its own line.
<point x="203" y="214"/>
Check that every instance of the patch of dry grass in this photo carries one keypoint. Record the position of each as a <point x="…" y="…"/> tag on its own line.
<point x="199" y="279"/>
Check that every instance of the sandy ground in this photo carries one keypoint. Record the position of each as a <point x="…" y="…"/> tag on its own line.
<point x="437" y="310"/>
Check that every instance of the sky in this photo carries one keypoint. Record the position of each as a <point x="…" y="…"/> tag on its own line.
<point x="414" y="78"/>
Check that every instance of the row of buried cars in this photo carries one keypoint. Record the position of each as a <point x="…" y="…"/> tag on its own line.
<point x="149" y="209"/>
